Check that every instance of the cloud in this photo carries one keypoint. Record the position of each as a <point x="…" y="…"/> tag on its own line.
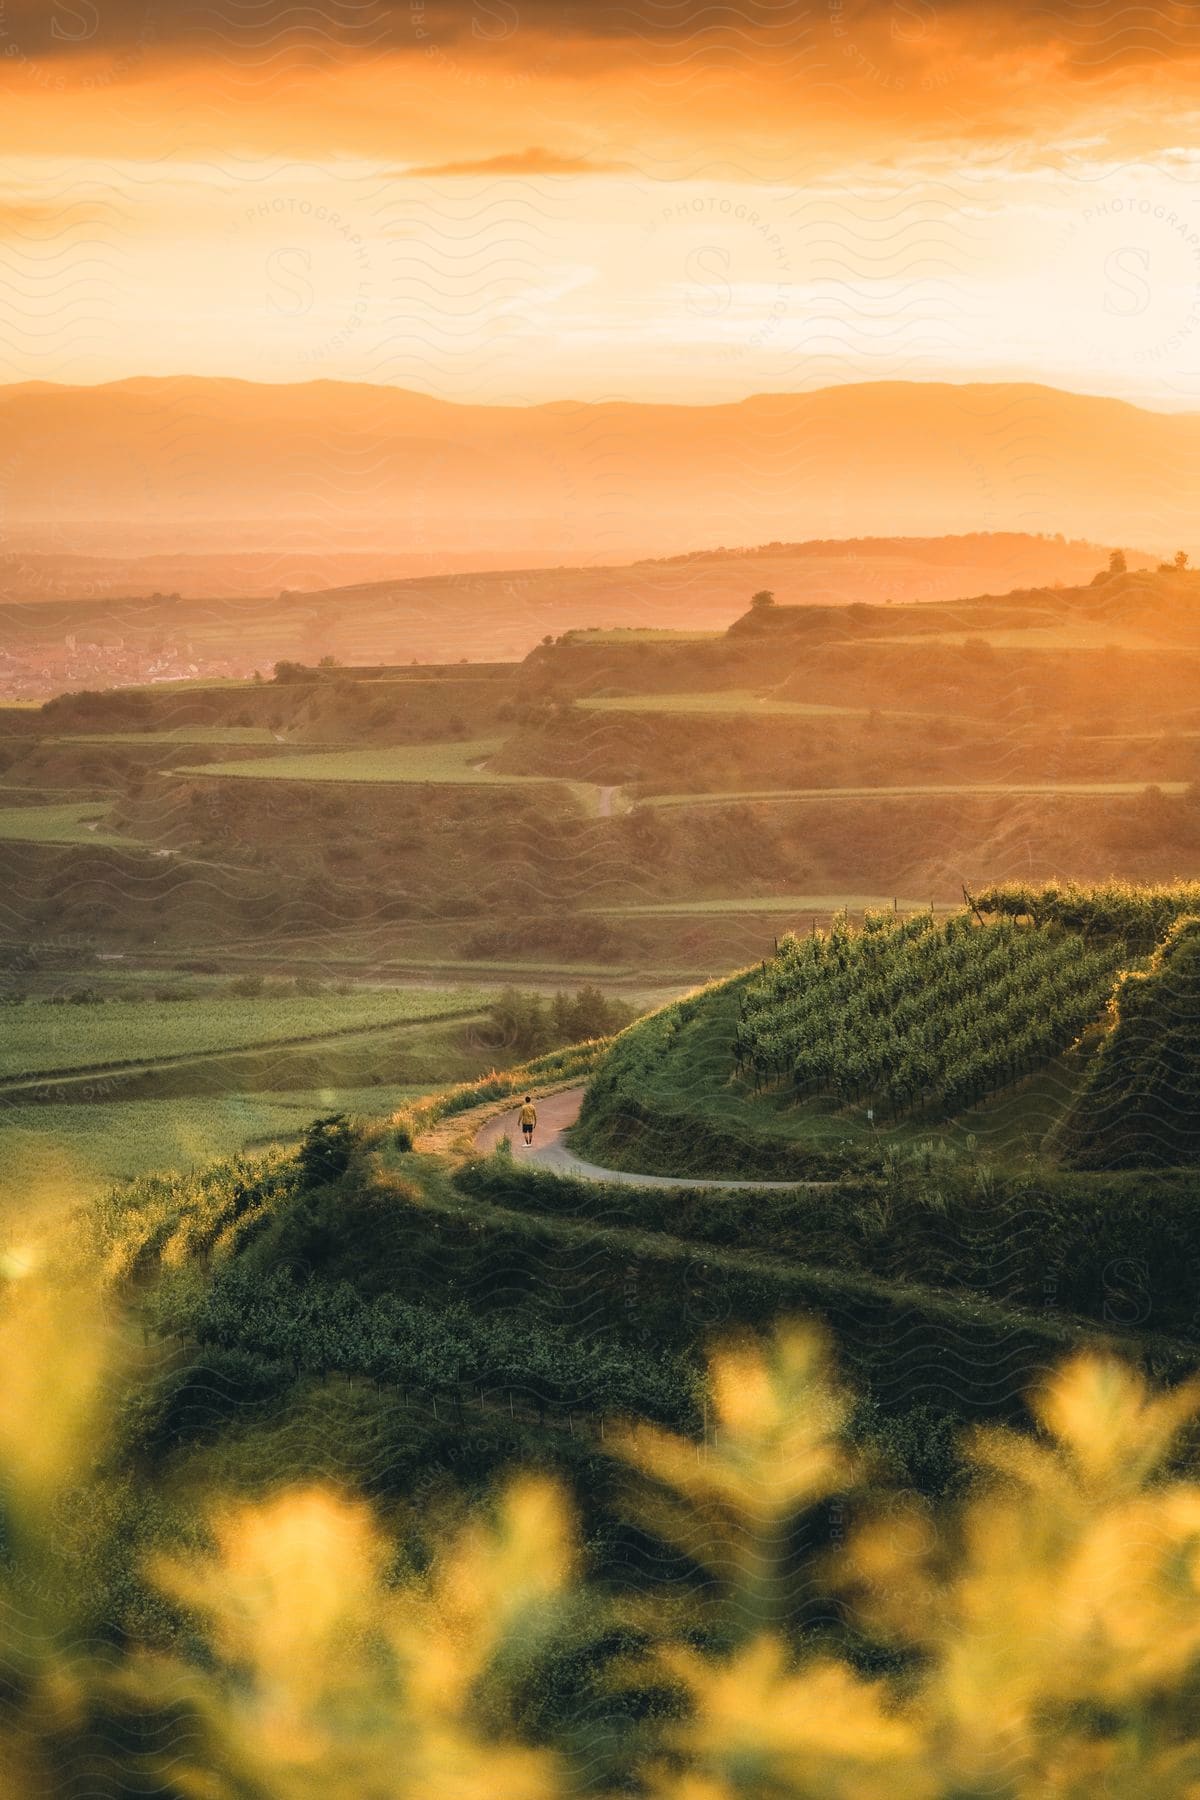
<point x="1087" y="33"/>
<point x="534" y="161"/>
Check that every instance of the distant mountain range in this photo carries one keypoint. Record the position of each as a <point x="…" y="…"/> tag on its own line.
<point x="208" y="466"/>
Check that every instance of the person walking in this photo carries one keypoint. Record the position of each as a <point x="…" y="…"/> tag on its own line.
<point x="528" y="1118"/>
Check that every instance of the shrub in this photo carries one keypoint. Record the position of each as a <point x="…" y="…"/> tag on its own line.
<point x="327" y="1150"/>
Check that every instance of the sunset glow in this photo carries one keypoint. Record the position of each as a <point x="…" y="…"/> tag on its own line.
<point x="486" y="202"/>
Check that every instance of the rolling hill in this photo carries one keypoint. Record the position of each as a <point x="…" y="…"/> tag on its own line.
<point x="977" y="1024"/>
<point x="96" y="621"/>
<point x="659" y="802"/>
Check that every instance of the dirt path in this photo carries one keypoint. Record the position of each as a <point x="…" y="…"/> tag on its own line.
<point x="556" y="1114"/>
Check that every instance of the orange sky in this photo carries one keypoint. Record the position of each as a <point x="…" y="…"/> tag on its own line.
<point x="498" y="200"/>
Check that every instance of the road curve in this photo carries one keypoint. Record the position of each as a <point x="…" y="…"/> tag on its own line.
<point x="556" y="1114"/>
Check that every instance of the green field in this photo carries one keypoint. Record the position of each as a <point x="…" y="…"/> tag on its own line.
<point x="189" y="684"/>
<point x="459" y="763"/>
<point x="736" y="701"/>
<point x="640" y="634"/>
<point x="364" y="956"/>
<point x="771" y="903"/>
<point x="902" y="791"/>
<point x="77" y="822"/>
<point x="229" y="735"/>
<point x="173" y="1084"/>
<point x="62" y="1152"/>
<point x="1084" y="634"/>
<point x="44" y="1038"/>
<point x="434" y="765"/>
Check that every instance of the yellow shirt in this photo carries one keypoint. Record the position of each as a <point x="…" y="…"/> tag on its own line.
<point x="528" y="1115"/>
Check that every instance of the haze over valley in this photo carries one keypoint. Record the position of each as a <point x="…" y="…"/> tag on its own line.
<point x="204" y="466"/>
<point x="599" y="901"/>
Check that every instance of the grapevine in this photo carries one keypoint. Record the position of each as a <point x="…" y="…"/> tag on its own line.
<point x="915" y="1014"/>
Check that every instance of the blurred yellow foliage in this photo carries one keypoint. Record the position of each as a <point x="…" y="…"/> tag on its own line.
<point x="347" y="1683"/>
<point x="1041" y="1638"/>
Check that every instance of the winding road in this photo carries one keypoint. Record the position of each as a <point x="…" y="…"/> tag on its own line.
<point x="556" y="1114"/>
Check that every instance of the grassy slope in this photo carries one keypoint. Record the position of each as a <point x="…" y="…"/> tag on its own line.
<point x="738" y="702"/>
<point x="506" y="1296"/>
<point x="224" y="735"/>
<point x="72" y="1136"/>
<point x="825" y="830"/>
<point x="454" y="764"/>
<point x="82" y="1149"/>
<point x="473" y="1317"/>
<point x="666" y="1103"/>
<point x="903" y="791"/>
<point x="667" y="1100"/>
<point x="786" y="905"/>
<point x="70" y="823"/>
<point x="418" y="762"/>
<point x="42" y="1039"/>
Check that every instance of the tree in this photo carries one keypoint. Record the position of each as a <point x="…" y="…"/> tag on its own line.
<point x="1181" y="560"/>
<point x="1117" y="564"/>
<point x="760" y="601"/>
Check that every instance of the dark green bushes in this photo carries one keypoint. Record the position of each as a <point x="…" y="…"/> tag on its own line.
<point x="444" y="1349"/>
<point x="1121" y="1251"/>
<point x="327" y="1149"/>
<point x="528" y="1024"/>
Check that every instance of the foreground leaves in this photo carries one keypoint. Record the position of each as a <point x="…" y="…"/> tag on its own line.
<point x="1042" y="1638"/>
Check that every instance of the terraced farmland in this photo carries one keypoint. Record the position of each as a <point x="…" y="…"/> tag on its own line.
<point x="47" y="1039"/>
<point x="418" y="765"/>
